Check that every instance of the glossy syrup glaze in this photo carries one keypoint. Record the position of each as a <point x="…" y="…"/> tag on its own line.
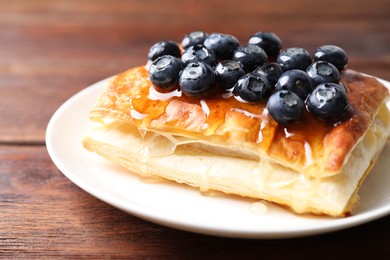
<point x="221" y="118"/>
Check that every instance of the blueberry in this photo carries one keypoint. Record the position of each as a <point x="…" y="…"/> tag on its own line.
<point x="285" y="107"/>
<point x="250" y="56"/>
<point x="196" y="79"/>
<point x="199" y="53"/>
<point x="228" y="72"/>
<point x="268" y="41"/>
<point x="252" y="87"/>
<point x="271" y="71"/>
<point x="164" y="72"/>
<point x="193" y="38"/>
<point x="333" y="54"/>
<point x="294" y="58"/>
<point x="327" y="101"/>
<point x="323" y="72"/>
<point x="223" y="45"/>
<point x="296" y="81"/>
<point x="163" y="48"/>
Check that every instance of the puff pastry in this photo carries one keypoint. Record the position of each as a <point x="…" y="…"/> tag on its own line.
<point x="311" y="166"/>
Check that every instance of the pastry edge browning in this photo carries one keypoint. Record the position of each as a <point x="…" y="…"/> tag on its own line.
<point x="368" y="98"/>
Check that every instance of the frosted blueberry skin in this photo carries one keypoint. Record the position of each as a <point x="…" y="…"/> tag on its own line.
<point x="296" y="81"/>
<point x="250" y="56"/>
<point x="327" y="101"/>
<point x="164" y="48"/>
<point x="199" y="53"/>
<point x="323" y="72"/>
<point x="228" y="72"/>
<point x="291" y="78"/>
<point x="294" y="58"/>
<point x="268" y="41"/>
<point x="252" y="88"/>
<point x="272" y="71"/>
<point x="223" y="45"/>
<point x="285" y="107"/>
<point x="164" y="72"/>
<point x="333" y="54"/>
<point x="196" y="79"/>
<point x="193" y="38"/>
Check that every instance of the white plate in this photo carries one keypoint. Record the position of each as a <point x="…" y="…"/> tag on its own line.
<point x="182" y="207"/>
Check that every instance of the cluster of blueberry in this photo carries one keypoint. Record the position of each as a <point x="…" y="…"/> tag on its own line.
<point x="295" y="81"/>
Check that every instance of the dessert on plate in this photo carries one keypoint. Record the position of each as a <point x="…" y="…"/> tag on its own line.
<point x="250" y="119"/>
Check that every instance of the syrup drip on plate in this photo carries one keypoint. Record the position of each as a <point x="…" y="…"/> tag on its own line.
<point x="258" y="208"/>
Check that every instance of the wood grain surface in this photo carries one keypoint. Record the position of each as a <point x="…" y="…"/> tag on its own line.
<point x="49" y="50"/>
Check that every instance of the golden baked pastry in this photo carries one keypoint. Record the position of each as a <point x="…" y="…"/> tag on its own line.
<point x="219" y="143"/>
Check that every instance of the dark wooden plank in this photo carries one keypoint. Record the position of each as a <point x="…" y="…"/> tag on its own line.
<point x="43" y="214"/>
<point x="51" y="49"/>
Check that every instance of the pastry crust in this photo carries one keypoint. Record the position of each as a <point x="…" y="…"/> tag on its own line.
<point x="156" y="154"/>
<point x="222" y="144"/>
<point x="316" y="148"/>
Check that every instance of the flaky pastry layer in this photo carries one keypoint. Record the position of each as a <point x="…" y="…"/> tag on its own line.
<point x="191" y="161"/>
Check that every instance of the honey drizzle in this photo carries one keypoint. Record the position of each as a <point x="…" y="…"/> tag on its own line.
<point x="305" y="136"/>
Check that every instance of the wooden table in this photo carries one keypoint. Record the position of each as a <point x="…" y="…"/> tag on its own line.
<point x="49" y="50"/>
